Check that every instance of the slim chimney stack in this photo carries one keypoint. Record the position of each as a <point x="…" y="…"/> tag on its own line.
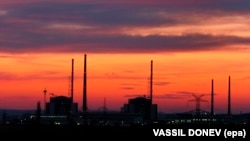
<point x="229" y="97"/>
<point x="212" y="99"/>
<point x="85" y="84"/>
<point x="151" y="81"/>
<point x="72" y="80"/>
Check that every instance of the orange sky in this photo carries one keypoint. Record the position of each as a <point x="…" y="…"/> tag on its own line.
<point x="117" y="77"/>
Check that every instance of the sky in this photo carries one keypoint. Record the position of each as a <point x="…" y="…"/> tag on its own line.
<point x="190" y="43"/>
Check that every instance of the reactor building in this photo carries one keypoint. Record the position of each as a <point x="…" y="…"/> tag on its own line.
<point x="143" y="105"/>
<point x="62" y="105"/>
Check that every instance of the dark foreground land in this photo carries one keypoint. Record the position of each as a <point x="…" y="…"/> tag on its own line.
<point x="157" y="132"/>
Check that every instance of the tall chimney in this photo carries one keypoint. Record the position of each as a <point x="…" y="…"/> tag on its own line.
<point x="72" y="80"/>
<point x="84" y="108"/>
<point x="151" y="81"/>
<point x="212" y="99"/>
<point x="229" y="97"/>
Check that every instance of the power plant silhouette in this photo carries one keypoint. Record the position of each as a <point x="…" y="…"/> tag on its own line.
<point x="62" y="110"/>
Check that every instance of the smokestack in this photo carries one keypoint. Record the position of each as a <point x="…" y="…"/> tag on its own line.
<point x="212" y="98"/>
<point x="229" y="97"/>
<point x="84" y="108"/>
<point x="151" y="81"/>
<point x="72" y="80"/>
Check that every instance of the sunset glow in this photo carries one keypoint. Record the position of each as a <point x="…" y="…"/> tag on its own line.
<point x="189" y="47"/>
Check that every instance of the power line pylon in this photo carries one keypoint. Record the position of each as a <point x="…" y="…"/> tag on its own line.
<point x="198" y="99"/>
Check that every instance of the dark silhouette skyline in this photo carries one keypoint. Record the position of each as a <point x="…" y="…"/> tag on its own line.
<point x="62" y="110"/>
<point x="188" y="45"/>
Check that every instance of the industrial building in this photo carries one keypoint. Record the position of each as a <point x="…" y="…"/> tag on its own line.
<point x="142" y="106"/>
<point x="61" y="105"/>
